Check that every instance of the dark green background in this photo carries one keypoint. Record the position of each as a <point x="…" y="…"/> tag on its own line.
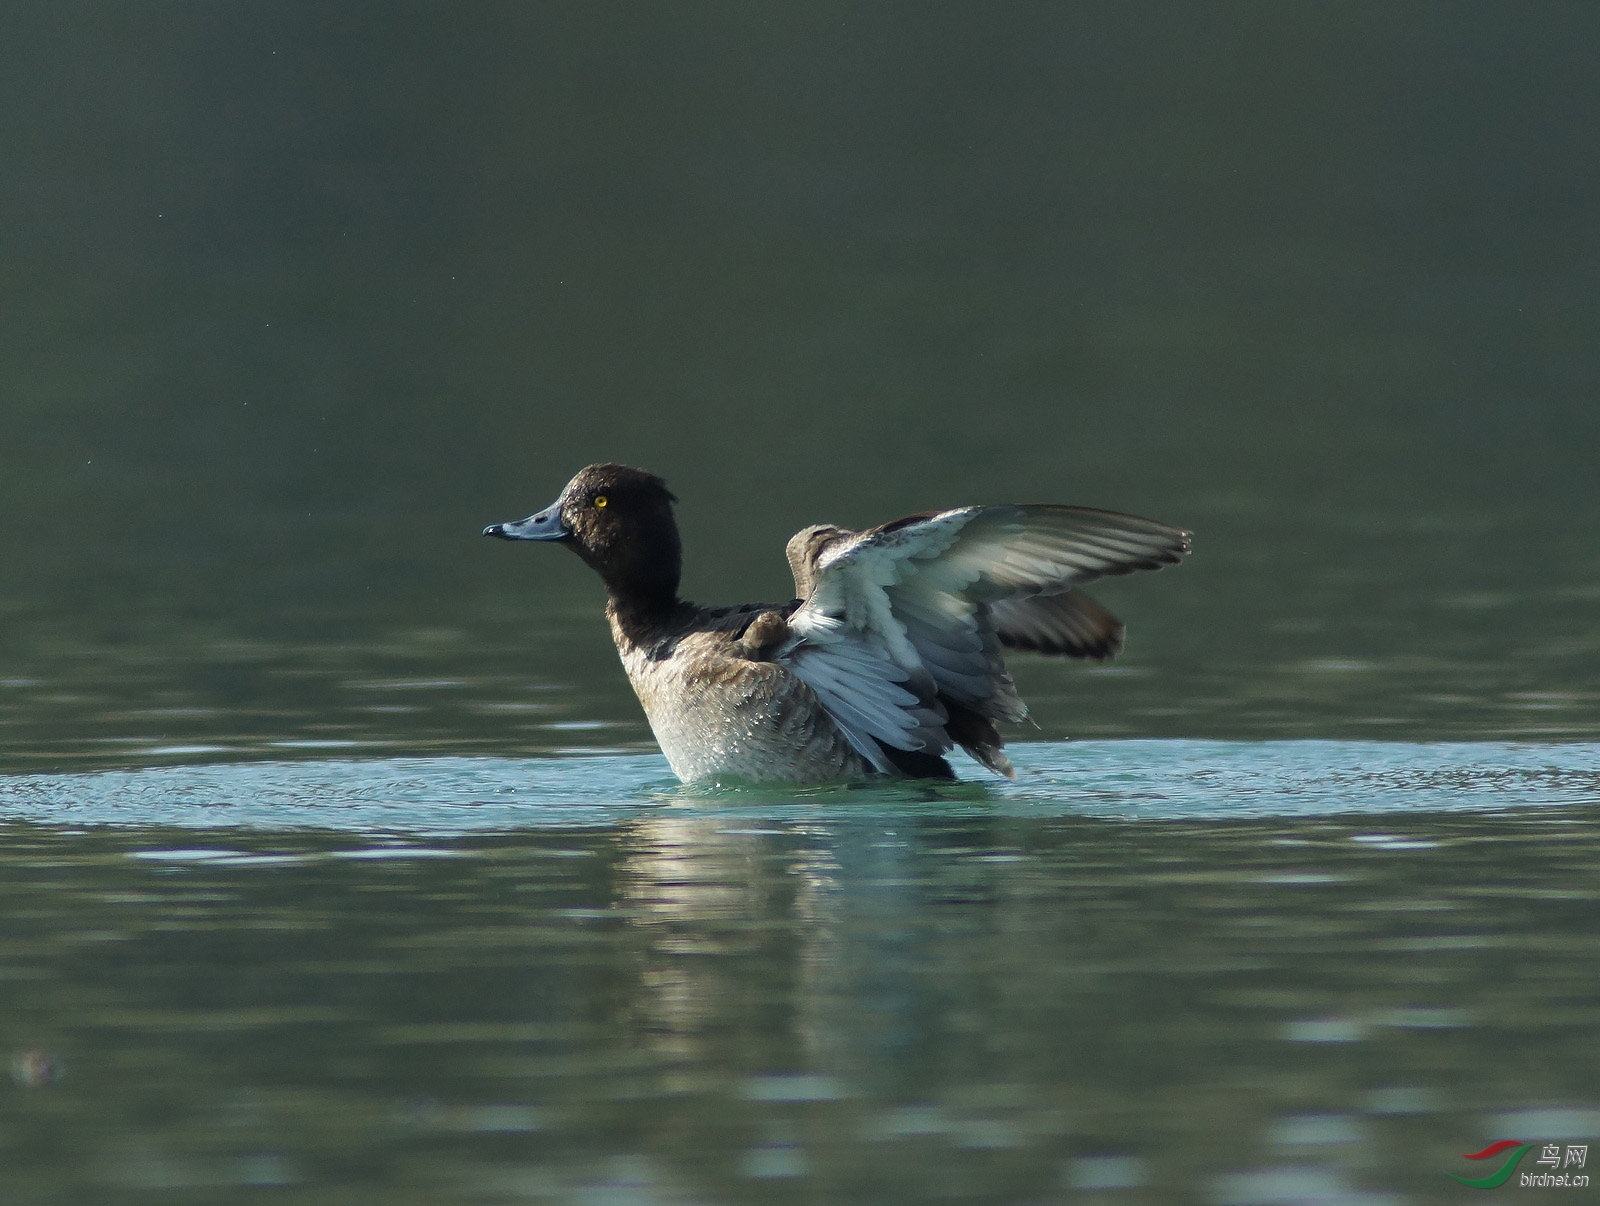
<point x="298" y="297"/>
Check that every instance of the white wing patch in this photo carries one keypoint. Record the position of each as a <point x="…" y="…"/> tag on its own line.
<point x="863" y="691"/>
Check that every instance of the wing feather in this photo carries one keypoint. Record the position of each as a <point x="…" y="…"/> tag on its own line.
<point x="865" y="692"/>
<point x="1071" y="624"/>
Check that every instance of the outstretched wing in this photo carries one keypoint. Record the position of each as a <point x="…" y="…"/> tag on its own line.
<point x="901" y="631"/>
<point x="1007" y="551"/>
<point x="927" y="590"/>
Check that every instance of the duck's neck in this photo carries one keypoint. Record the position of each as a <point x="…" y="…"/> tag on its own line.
<point x="640" y="617"/>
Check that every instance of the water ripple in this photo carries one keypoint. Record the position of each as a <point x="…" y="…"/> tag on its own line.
<point x="1146" y="780"/>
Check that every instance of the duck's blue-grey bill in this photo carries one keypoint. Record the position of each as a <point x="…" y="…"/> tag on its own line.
<point x="542" y="525"/>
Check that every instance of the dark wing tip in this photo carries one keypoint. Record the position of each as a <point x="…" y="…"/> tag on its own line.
<point x="1102" y="650"/>
<point x="1065" y="625"/>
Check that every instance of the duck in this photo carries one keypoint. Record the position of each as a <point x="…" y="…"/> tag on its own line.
<point x="890" y="653"/>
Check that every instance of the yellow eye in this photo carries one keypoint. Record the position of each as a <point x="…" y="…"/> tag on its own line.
<point x="600" y="500"/>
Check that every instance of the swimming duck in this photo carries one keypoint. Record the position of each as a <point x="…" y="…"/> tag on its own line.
<point x="888" y="656"/>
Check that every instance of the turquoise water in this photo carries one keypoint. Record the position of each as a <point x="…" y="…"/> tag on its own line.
<point x="1126" y="780"/>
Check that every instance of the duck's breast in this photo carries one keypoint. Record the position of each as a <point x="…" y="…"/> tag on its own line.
<point x="717" y="714"/>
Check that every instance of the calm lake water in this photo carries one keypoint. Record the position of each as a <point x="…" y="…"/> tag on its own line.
<point x="338" y="864"/>
<point x="1162" y="970"/>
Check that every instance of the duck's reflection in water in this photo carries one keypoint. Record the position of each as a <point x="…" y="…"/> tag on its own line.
<point x="801" y="937"/>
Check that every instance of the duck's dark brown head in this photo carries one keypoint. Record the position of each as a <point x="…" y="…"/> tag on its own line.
<point x="619" y="520"/>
